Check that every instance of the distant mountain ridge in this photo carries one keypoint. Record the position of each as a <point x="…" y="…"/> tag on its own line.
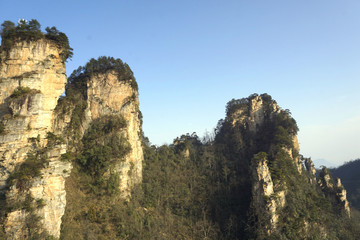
<point x="323" y="162"/>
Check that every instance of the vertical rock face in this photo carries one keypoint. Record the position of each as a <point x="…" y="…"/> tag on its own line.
<point x="38" y="66"/>
<point x="107" y="95"/>
<point x="334" y="191"/>
<point x="263" y="136"/>
<point x="32" y="77"/>
<point x="341" y="194"/>
<point x="311" y="169"/>
<point x="100" y="119"/>
<point x="254" y="114"/>
<point x="265" y="200"/>
<point x="261" y="121"/>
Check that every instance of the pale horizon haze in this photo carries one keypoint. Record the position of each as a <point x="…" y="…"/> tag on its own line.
<point x="191" y="57"/>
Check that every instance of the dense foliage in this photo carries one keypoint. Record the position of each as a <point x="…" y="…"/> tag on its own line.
<point x="191" y="189"/>
<point x="104" y="144"/>
<point x="22" y="91"/>
<point x="31" y="31"/>
<point x="103" y="65"/>
<point x="93" y="207"/>
<point x="27" y="171"/>
<point x="197" y="189"/>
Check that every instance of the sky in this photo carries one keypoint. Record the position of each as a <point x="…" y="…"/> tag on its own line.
<point x="191" y="57"/>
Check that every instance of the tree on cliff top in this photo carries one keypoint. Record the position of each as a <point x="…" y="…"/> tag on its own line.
<point x="31" y="31"/>
<point x="102" y="65"/>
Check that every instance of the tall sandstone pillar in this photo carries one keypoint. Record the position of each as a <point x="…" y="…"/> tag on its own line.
<point x="32" y="78"/>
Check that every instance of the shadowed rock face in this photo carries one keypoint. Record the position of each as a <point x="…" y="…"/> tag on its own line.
<point x="37" y="73"/>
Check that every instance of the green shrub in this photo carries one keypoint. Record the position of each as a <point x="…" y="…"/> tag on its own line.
<point x="22" y="91"/>
<point x="40" y="203"/>
<point x="103" y="145"/>
<point x="2" y="128"/>
<point x="67" y="157"/>
<point x="27" y="171"/>
<point x="62" y="40"/>
<point x="54" y="139"/>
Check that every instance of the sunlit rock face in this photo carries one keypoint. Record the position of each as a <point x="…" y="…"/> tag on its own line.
<point x="251" y="115"/>
<point x="265" y="200"/>
<point x="32" y="78"/>
<point x="261" y="138"/>
<point x="310" y="168"/>
<point x="254" y="116"/>
<point x="107" y="95"/>
<point x="37" y="73"/>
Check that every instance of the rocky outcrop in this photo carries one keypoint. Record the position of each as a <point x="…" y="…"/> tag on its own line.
<point x="107" y="95"/>
<point x="38" y="67"/>
<point x="334" y="191"/>
<point x="310" y="168"/>
<point x="254" y="114"/>
<point x="257" y="111"/>
<point x="265" y="200"/>
<point x="341" y="195"/>
<point x="45" y="197"/>
<point x="267" y="134"/>
<point x="32" y="78"/>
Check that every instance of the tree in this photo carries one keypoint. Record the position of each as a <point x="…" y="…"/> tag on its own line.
<point x="7" y="28"/>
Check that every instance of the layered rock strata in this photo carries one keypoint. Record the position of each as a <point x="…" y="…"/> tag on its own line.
<point x="32" y="78"/>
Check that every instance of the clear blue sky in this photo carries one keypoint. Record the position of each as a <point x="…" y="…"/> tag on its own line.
<point x="191" y="57"/>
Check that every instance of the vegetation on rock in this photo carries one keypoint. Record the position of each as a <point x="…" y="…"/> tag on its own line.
<point x="206" y="193"/>
<point x="104" y="145"/>
<point x="191" y="189"/>
<point x="23" y="179"/>
<point x="27" y="171"/>
<point x="22" y="91"/>
<point x="94" y="209"/>
<point x="31" y="31"/>
<point x="103" y="65"/>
